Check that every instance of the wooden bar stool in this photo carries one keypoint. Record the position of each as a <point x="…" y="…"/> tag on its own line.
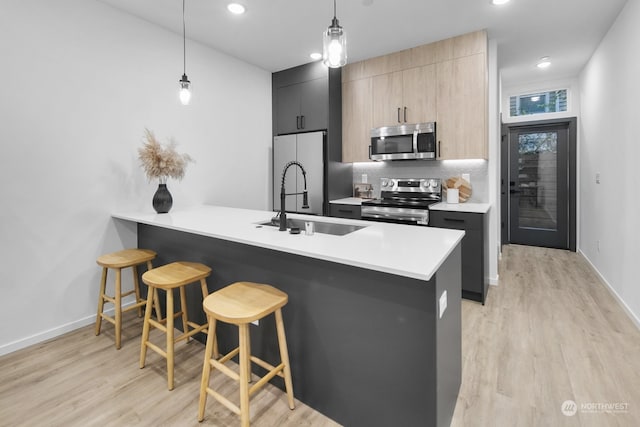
<point x="167" y="278"/>
<point x="117" y="261"/>
<point x="240" y="304"/>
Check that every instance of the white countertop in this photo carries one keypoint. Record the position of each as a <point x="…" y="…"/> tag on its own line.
<point x="348" y="201"/>
<point x="404" y="250"/>
<point x="469" y="207"/>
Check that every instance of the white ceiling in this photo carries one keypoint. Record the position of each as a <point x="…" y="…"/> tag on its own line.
<point x="279" y="34"/>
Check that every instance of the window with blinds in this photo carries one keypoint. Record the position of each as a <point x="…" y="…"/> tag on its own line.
<point x="553" y="101"/>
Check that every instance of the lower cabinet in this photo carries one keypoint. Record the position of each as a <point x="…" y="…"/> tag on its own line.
<point x="473" y="281"/>
<point x="344" y="211"/>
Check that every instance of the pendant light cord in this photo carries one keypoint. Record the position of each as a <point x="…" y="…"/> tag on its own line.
<point x="184" y="40"/>
<point x="334" y="9"/>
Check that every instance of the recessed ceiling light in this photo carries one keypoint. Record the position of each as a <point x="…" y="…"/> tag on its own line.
<point x="499" y="2"/>
<point x="544" y="62"/>
<point x="236" y="8"/>
<point x="315" y="56"/>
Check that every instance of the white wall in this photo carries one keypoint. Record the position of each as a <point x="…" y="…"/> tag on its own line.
<point x="80" y="82"/>
<point x="609" y="93"/>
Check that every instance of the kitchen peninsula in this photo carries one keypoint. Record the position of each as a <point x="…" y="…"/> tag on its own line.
<point x="373" y="320"/>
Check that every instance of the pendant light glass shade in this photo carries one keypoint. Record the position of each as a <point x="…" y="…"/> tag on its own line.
<point x="334" y="44"/>
<point x="185" y="90"/>
<point x="185" y="84"/>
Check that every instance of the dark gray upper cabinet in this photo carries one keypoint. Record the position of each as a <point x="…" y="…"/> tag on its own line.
<point x="308" y="98"/>
<point x="302" y="107"/>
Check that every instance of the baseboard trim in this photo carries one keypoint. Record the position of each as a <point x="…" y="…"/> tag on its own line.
<point x="493" y="281"/>
<point x="53" y="332"/>
<point x="635" y="319"/>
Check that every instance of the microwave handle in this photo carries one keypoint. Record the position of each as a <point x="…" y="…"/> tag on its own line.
<point x="369" y="152"/>
<point x="415" y="141"/>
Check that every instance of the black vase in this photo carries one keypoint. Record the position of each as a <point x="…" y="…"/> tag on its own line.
<point x="162" y="200"/>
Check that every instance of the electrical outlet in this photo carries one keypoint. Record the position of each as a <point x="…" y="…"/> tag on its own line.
<point x="256" y="322"/>
<point x="597" y="177"/>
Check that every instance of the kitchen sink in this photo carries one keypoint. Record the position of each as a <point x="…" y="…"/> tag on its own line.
<point x="319" y="226"/>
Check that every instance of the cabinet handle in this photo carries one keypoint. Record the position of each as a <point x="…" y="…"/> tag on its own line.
<point x="301" y="122"/>
<point x="399" y="115"/>
<point x="439" y="153"/>
<point x="297" y="122"/>
<point x="454" y="220"/>
<point x="405" y="114"/>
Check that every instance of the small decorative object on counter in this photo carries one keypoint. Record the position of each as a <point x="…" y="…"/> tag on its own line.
<point x="460" y="184"/>
<point x="162" y="162"/>
<point x="363" y="190"/>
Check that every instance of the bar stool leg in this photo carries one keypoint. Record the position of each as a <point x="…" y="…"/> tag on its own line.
<point x="118" y="307"/>
<point x="183" y="309"/>
<point x="244" y="373"/>
<point x="136" y="287"/>
<point x="103" y="286"/>
<point x="206" y="367"/>
<point x="205" y="293"/>
<point x="155" y="295"/>
<point x="170" y="339"/>
<point x="284" y="356"/>
<point x="146" y="326"/>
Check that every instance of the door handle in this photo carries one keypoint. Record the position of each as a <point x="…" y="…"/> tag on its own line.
<point x="399" y="115"/>
<point x="405" y="114"/>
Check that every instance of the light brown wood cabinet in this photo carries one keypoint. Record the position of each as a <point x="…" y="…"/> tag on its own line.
<point x="407" y="96"/>
<point x="445" y="82"/>
<point x="356" y="120"/>
<point x="462" y="108"/>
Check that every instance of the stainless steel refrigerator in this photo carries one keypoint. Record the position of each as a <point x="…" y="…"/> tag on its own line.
<point x="308" y="149"/>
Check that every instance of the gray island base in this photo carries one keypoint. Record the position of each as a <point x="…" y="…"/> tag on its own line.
<point x="367" y="348"/>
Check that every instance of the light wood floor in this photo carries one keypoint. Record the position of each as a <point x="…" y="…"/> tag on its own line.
<point x="82" y="380"/>
<point x="550" y="332"/>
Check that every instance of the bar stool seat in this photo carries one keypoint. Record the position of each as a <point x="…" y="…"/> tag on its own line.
<point x="117" y="261"/>
<point x="167" y="278"/>
<point x="240" y="304"/>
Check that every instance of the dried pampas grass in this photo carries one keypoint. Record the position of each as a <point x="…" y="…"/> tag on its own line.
<point x="162" y="162"/>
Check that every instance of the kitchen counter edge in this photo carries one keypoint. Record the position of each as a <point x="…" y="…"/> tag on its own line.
<point x="404" y="250"/>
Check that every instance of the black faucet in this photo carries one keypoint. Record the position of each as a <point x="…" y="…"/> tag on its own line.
<point x="305" y="197"/>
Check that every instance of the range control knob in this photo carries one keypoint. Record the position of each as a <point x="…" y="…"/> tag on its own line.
<point x="426" y="183"/>
<point x="433" y="183"/>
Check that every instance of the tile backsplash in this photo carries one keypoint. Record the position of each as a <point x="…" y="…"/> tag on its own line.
<point x="443" y="169"/>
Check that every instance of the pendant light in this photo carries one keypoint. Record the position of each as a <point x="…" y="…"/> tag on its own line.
<point x="334" y="44"/>
<point x="185" y="84"/>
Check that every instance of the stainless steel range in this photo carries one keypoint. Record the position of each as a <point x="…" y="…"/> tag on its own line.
<point x="403" y="200"/>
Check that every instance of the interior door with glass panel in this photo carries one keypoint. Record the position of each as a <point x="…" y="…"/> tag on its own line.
<point x="538" y="186"/>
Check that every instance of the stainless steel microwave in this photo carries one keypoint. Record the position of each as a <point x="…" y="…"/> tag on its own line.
<point x="404" y="142"/>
